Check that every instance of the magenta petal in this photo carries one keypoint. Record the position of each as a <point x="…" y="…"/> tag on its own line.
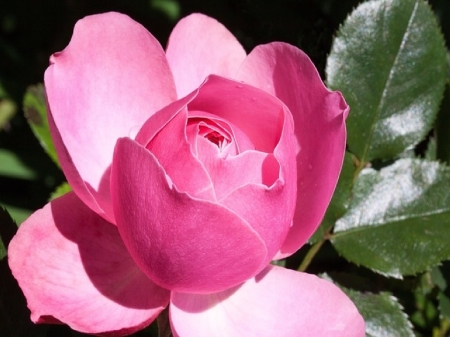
<point x="272" y="208"/>
<point x="171" y="148"/>
<point x="259" y="115"/>
<point x="232" y="172"/>
<point x="181" y="243"/>
<point x="73" y="267"/>
<point x="200" y="46"/>
<point x="319" y="118"/>
<point x="107" y="82"/>
<point x="277" y="302"/>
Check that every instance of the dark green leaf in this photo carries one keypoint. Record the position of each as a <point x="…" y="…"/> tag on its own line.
<point x="443" y="128"/>
<point x="36" y="112"/>
<point x="444" y="304"/>
<point x="398" y="222"/>
<point x="7" y="230"/>
<point x="437" y="278"/>
<point x="430" y="153"/>
<point x="389" y="61"/>
<point x="339" y="202"/>
<point x="7" y="110"/>
<point x="61" y="190"/>
<point x="18" y="214"/>
<point x="382" y="313"/>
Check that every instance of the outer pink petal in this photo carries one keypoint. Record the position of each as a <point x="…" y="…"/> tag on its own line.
<point x="277" y="302"/>
<point x="106" y="83"/>
<point x="73" y="267"/>
<point x="200" y="46"/>
<point x="181" y="243"/>
<point x="319" y="117"/>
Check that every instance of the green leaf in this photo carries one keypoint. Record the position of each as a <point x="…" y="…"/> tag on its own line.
<point x="8" y="109"/>
<point x="36" y="113"/>
<point x="444" y="304"/>
<point x="398" y="222"/>
<point x="61" y="190"/>
<point x="18" y="214"/>
<point x="7" y="230"/>
<point x="11" y="166"/>
<point x="340" y="200"/>
<point x="430" y="153"/>
<point x="171" y="8"/>
<point x="382" y="313"/>
<point x="438" y="278"/>
<point x="443" y="128"/>
<point x="389" y="61"/>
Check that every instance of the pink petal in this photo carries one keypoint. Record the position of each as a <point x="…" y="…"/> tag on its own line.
<point x="229" y="173"/>
<point x="73" y="267"/>
<point x="242" y="142"/>
<point x="270" y="210"/>
<point x="258" y="115"/>
<point x="319" y="117"/>
<point x="277" y="302"/>
<point x="200" y="46"/>
<point x="107" y="82"/>
<point x="181" y="243"/>
<point x="173" y="152"/>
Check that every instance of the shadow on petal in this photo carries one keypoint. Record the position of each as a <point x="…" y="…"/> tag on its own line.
<point x="105" y="258"/>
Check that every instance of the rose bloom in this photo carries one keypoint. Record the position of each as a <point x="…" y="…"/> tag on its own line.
<point x="191" y="170"/>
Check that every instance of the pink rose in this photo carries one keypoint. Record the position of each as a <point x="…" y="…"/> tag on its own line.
<point x="192" y="169"/>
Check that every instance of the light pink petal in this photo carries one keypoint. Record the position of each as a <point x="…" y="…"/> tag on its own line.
<point x="200" y="46"/>
<point x="258" y="115"/>
<point x="73" y="267"/>
<point x="277" y="302"/>
<point x="319" y="117"/>
<point x="270" y="210"/>
<point x="107" y="82"/>
<point x="181" y="243"/>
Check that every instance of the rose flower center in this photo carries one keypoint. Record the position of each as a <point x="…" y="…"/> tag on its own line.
<point x="214" y="136"/>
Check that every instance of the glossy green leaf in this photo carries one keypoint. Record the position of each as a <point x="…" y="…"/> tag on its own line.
<point x="398" y="222"/>
<point x="389" y="61"/>
<point x="34" y="105"/>
<point x="382" y="313"/>
<point x="61" y="190"/>
<point x="340" y="200"/>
